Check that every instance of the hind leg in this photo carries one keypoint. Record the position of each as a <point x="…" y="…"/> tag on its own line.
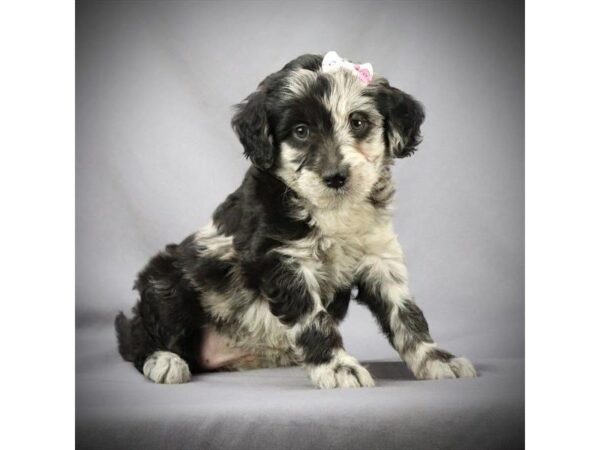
<point x="166" y="362"/>
<point x="162" y="336"/>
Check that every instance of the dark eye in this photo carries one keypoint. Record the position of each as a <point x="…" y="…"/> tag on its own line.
<point x="301" y="132"/>
<point x="357" y="122"/>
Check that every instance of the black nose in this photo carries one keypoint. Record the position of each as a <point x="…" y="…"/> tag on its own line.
<point x="337" y="179"/>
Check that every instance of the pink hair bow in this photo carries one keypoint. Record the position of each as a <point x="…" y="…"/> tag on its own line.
<point x="333" y="62"/>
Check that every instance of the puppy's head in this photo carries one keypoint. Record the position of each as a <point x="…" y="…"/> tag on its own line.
<point x="326" y="134"/>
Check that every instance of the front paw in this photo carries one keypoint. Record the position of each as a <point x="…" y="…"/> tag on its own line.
<point x="440" y="365"/>
<point x="341" y="372"/>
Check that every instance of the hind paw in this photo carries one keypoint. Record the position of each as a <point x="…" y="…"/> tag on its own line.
<point x="166" y="368"/>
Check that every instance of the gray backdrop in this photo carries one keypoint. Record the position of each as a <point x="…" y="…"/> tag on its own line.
<point x="156" y="155"/>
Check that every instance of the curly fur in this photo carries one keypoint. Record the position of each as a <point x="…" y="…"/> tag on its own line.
<point x="266" y="283"/>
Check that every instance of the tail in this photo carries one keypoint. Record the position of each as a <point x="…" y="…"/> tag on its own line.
<point x="123" y="328"/>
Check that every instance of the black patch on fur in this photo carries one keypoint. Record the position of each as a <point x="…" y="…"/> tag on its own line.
<point x="319" y="340"/>
<point x="289" y="297"/>
<point x="307" y="61"/>
<point x="167" y="316"/>
<point x="417" y="329"/>
<point x="363" y="133"/>
<point x="369" y="296"/>
<point x="413" y="319"/>
<point x="338" y="308"/>
<point x="320" y="150"/>
<point x="260" y="216"/>
<point x="308" y="110"/>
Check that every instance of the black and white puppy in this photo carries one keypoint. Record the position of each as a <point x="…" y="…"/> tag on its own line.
<point x="266" y="283"/>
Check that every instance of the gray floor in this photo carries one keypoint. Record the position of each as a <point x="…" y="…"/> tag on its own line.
<point x="278" y="408"/>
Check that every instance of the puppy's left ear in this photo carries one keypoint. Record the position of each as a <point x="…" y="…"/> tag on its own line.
<point x="251" y="124"/>
<point x="403" y="116"/>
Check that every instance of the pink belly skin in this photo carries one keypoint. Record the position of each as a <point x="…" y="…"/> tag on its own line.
<point x="215" y="351"/>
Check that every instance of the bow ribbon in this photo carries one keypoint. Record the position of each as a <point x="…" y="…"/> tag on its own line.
<point x="333" y="62"/>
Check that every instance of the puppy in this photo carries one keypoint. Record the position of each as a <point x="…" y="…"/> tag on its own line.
<point x="267" y="282"/>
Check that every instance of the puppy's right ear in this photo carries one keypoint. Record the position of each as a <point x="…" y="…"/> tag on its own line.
<point x="251" y="125"/>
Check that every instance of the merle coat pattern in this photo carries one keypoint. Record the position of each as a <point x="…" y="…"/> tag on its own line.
<point x="266" y="283"/>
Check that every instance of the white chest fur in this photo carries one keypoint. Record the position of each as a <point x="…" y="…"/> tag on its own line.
<point x="341" y="240"/>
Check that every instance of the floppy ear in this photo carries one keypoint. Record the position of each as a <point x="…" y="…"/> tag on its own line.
<point x="403" y="116"/>
<point x="250" y="123"/>
<point x="251" y="119"/>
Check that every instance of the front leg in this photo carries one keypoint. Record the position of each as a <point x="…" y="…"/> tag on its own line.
<point x="329" y="366"/>
<point x="293" y="294"/>
<point x="382" y="284"/>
